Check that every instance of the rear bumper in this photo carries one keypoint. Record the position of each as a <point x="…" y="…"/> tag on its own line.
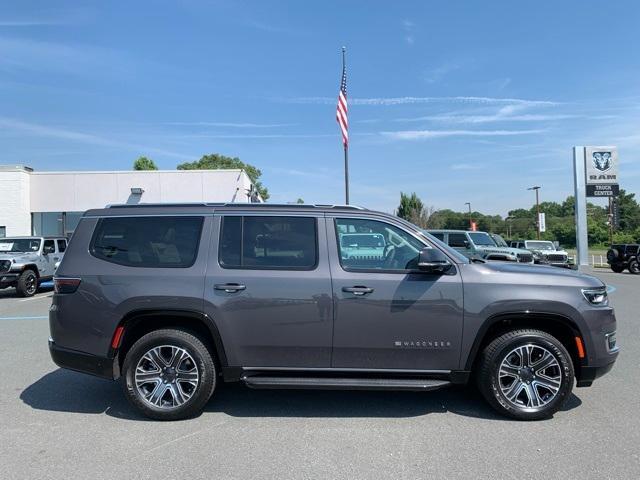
<point x="82" y="362"/>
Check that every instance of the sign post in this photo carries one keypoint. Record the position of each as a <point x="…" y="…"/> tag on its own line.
<point x="595" y="174"/>
<point x="582" y="240"/>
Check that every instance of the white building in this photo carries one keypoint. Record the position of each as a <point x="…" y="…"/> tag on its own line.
<point x="51" y="203"/>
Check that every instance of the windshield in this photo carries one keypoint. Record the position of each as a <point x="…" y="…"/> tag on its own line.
<point x="460" y="258"/>
<point x="19" y="245"/>
<point x="482" y="239"/>
<point x="539" y="245"/>
<point x="499" y="240"/>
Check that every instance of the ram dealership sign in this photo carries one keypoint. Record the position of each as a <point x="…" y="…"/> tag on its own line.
<point x="601" y="171"/>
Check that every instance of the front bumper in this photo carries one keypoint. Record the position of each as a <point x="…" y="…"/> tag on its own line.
<point x="587" y="375"/>
<point x="8" y="279"/>
<point x="83" y="362"/>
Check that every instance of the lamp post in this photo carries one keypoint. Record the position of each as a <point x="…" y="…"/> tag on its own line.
<point x="470" y="219"/>
<point x="508" y="220"/>
<point x="537" y="188"/>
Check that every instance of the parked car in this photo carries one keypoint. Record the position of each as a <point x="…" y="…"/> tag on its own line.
<point x="481" y="245"/>
<point x="176" y="299"/>
<point x="26" y="262"/>
<point x="545" y="253"/>
<point x="623" y="256"/>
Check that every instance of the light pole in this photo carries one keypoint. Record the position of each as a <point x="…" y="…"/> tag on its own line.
<point x="536" y="188"/>
<point x="508" y="220"/>
<point x="470" y="219"/>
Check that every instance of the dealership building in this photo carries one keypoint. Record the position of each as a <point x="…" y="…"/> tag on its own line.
<point x="51" y="203"/>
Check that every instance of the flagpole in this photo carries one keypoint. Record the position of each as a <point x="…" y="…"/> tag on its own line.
<point x="346" y="144"/>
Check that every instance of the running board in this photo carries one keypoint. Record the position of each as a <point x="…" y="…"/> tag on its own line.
<point x="328" y="383"/>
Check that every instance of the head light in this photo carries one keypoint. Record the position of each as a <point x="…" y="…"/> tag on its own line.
<point x="596" y="296"/>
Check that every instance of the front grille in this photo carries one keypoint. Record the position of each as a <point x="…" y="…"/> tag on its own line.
<point x="555" y="257"/>
<point x="525" y="258"/>
<point x="5" y="265"/>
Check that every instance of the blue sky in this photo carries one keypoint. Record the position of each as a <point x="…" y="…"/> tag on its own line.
<point x="457" y="101"/>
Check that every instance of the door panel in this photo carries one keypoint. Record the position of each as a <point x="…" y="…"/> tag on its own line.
<point x="271" y="317"/>
<point x="398" y="320"/>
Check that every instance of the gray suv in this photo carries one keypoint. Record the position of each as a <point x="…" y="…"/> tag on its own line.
<point x="26" y="262"/>
<point x="175" y="299"/>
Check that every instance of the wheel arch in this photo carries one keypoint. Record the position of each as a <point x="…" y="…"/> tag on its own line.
<point x="560" y="326"/>
<point x="140" y="322"/>
<point x="30" y="266"/>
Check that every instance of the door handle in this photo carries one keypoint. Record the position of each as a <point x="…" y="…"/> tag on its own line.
<point x="357" y="290"/>
<point x="229" y="287"/>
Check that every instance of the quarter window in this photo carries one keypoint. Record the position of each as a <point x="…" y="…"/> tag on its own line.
<point x="288" y="243"/>
<point x="458" y="240"/>
<point x="373" y="245"/>
<point x="62" y="246"/>
<point x="150" y="242"/>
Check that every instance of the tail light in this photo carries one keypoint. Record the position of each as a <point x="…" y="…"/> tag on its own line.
<point x="65" y="285"/>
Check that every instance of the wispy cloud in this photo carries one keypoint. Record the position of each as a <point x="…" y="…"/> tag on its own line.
<point x="466" y="166"/>
<point x="24" y="54"/>
<point x="390" y="101"/>
<point x="438" y="73"/>
<point x="476" y="119"/>
<point x="429" y="134"/>
<point x="231" y="124"/>
<point x="258" y="136"/>
<point x="409" y="28"/>
<point x="58" y="133"/>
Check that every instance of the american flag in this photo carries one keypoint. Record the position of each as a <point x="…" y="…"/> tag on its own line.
<point x="341" y="110"/>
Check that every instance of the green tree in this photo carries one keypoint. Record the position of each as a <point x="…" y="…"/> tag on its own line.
<point x="412" y="209"/>
<point x="300" y="201"/>
<point x="629" y="211"/>
<point x="144" y="163"/>
<point x="215" y="161"/>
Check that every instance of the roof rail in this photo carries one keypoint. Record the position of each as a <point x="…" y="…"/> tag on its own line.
<point x="239" y="205"/>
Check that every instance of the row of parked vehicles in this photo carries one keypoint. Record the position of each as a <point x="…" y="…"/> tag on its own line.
<point x="491" y="246"/>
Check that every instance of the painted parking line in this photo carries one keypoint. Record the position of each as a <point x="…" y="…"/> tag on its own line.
<point x="40" y="317"/>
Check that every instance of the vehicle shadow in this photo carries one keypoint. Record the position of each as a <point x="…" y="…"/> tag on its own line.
<point x="67" y="391"/>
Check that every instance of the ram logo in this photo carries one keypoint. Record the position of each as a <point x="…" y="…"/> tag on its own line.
<point x="602" y="161"/>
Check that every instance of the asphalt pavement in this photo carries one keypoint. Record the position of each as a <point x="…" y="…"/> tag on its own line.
<point x="61" y="424"/>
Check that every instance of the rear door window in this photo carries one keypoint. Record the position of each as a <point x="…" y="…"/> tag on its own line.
<point x="286" y="243"/>
<point x="151" y="242"/>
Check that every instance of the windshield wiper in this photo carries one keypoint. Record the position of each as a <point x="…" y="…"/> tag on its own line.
<point x="477" y="260"/>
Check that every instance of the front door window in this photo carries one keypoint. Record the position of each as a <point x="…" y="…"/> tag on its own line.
<point x="373" y="245"/>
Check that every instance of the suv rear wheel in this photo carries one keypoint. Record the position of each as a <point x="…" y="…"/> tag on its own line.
<point x="27" y="284"/>
<point x="526" y="374"/>
<point x="169" y="374"/>
<point x="617" y="268"/>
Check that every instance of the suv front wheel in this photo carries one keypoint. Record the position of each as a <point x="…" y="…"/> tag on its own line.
<point x="526" y="374"/>
<point x="169" y="374"/>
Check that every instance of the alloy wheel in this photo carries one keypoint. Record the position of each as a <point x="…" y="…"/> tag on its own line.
<point x="530" y="376"/>
<point x="31" y="284"/>
<point x="166" y="376"/>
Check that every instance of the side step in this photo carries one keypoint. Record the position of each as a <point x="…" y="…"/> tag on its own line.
<point x="328" y="383"/>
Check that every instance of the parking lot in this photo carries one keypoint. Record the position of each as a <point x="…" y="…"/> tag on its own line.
<point x="61" y="424"/>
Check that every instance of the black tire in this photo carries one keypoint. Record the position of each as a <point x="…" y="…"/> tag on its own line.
<point x="202" y="360"/>
<point x="617" y="268"/>
<point x="490" y="384"/>
<point x="27" y="284"/>
<point x="612" y="254"/>
<point x="634" y="266"/>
